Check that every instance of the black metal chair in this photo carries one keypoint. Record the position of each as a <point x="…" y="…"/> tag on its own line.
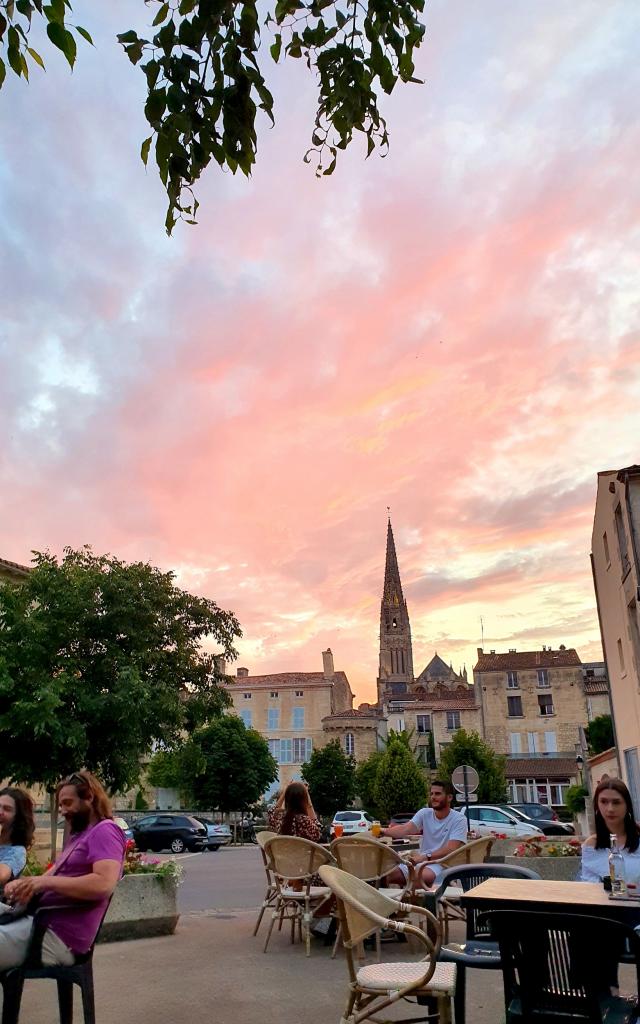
<point x="79" y="973"/>
<point x="479" y="950"/>
<point x="557" y="967"/>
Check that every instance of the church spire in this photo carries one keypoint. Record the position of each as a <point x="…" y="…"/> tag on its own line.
<point x="396" y="657"/>
<point x="392" y="585"/>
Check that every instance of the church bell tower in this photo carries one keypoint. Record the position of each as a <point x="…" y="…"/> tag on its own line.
<point x="395" y="672"/>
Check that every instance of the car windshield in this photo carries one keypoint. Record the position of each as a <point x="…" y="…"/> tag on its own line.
<point x="535" y="810"/>
<point x="347" y="816"/>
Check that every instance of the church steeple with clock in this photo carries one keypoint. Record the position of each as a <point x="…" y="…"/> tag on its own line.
<point x="395" y="672"/>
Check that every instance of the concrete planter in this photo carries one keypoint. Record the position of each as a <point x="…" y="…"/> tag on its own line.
<point x="142" y="906"/>
<point x="557" y="869"/>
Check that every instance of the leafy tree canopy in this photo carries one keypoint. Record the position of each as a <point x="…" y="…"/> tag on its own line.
<point x="204" y="71"/>
<point x="330" y="775"/>
<point x="400" y="783"/>
<point x="99" y="659"/>
<point x="600" y="734"/>
<point x="365" y="782"/>
<point x="470" y="748"/>
<point x="223" y="766"/>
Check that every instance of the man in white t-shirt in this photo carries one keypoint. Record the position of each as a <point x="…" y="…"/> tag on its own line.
<point x="443" y="831"/>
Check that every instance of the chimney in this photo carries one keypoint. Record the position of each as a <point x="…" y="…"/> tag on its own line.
<point x="327" y="664"/>
<point x="220" y="665"/>
<point x="242" y="673"/>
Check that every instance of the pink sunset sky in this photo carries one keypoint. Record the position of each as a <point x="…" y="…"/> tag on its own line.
<point x="451" y="331"/>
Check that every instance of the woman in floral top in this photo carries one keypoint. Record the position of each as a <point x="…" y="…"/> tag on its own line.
<point x="294" y="815"/>
<point x="16" y="832"/>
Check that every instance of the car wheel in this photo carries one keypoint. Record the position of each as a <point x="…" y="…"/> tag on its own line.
<point x="177" y="845"/>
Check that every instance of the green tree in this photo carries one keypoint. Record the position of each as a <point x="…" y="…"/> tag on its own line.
<point x="224" y="766"/>
<point x="203" y="71"/>
<point x="99" y="660"/>
<point x="470" y="748"/>
<point x="365" y="782"/>
<point x="400" y="782"/>
<point x="600" y="734"/>
<point x="330" y="776"/>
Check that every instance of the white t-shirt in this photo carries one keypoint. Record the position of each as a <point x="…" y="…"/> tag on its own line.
<point x="438" y="831"/>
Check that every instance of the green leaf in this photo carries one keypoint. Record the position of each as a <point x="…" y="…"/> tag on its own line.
<point x="25" y="7"/>
<point x="54" y="13"/>
<point x="155" y="106"/>
<point x="3" y="72"/>
<point x="276" y="47"/>
<point x="36" y="56"/>
<point x="13" y="51"/>
<point x="144" y="149"/>
<point x="127" y="37"/>
<point x="63" y="39"/>
<point x="3" y="24"/>
<point x="85" y="35"/>
<point x="161" y="15"/>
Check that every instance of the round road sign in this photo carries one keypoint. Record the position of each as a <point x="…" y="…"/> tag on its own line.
<point x="458" y="779"/>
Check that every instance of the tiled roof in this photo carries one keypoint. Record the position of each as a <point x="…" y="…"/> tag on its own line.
<point x="453" y="703"/>
<point x="526" y="659"/>
<point x="284" y="680"/>
<point x="14" y="567"/>
<point x="541" y="767"/>
<point x="596" y="686"/>
<point x="353" y="713"/>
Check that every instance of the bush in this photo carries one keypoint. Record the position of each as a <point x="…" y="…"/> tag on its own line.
<point x="574" y="798"/>
<point x="540" y="846"/>
<point x="400" y="783"/>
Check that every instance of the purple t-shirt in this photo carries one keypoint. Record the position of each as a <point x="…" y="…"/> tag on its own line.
<point x="78" y="928"/>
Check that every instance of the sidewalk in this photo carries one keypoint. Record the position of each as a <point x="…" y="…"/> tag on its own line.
<point x="213" y="969"/>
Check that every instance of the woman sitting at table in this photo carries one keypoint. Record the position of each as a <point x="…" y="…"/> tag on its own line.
<point x="17" y="828"/>
<point x="293" y="814"/>
<point x="613" y="811"/>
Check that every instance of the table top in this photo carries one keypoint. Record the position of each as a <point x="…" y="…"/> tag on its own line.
<point x="530" y="891"/>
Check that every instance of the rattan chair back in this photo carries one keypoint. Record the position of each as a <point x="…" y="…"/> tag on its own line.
<point x="294" y="858"/>
<point x="365" y="857"/>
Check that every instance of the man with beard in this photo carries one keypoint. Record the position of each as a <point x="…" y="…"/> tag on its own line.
<point x="87" y="871"/>
<point x="443" y="831"/>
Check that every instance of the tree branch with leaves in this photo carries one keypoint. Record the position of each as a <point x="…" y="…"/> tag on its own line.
<point x="205" y="77"/>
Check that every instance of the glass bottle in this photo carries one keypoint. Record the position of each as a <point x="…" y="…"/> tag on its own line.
<point x="616" y="868"/>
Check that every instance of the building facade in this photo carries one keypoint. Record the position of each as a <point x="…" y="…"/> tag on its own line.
<point x="288" y="709"/>
<point x="615" y="545"/>
<point x="596" y="689"/>
<point x="533" y="708"/>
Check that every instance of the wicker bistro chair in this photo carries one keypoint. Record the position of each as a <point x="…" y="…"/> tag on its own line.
<point x="262" y="838"/>
<point x="292" y="859"/>
<point x="372" y="988"/>
<point x="475" y="852"/>
<point x="556" y="967"/>
<point x="370" y="860"/>
<point x="479" y="950"/>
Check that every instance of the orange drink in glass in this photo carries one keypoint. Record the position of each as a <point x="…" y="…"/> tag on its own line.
<point x="376" y="830"/>
<point x="338" y="829"/>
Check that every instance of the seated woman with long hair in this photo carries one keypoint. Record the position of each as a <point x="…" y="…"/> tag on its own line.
<point x="293" y="814"/>
<point x="17" y="828"/>
<point x="613" y="811"/>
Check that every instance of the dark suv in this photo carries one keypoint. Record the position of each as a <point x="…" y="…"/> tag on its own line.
<point x="175" y="832"/>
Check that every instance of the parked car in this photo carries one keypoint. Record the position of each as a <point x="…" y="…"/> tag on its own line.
<point x="535" y="811"/>
<point x="125" y="826"/>
<point x="550" y="826"/>
<point x="175" y="832"/>
<point x="217" y="835"/>
<point x="353" y="823"/>
<point x="487" y="820"/>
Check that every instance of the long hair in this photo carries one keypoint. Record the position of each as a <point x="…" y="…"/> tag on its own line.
<point x="87" y="786"/>
<point x="296" y="801"/>
<point x="630" y="826"/>
<point x="23" y="825"/>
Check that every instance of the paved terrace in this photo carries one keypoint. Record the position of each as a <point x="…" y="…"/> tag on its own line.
<point x="213" y="968"/>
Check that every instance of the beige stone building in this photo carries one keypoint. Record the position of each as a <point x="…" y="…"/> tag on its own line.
<point x="360" y="731"/>
<point x="596" y="689"/>
<point x="533" y="708"/>
<point x="288" y="709"/>
<point x="615" y="547"/>
<point x="12" y="571"/>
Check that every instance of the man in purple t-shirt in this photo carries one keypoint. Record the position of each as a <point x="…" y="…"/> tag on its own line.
<point x="87" y="870"/>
